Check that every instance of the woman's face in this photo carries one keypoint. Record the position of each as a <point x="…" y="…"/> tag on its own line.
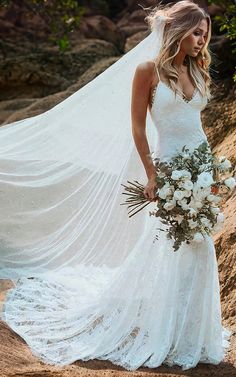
<point x="193" y="43"/>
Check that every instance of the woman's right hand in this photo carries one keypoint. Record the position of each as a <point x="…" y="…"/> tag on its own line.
<point x="150" y="188"/>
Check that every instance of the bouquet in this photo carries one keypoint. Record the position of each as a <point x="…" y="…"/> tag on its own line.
<point x="189" y="190"/>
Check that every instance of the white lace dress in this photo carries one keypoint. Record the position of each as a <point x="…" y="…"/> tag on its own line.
<point x="159" y="307"/>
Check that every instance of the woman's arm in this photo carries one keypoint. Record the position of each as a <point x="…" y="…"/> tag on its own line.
<point x="141" y="85"/>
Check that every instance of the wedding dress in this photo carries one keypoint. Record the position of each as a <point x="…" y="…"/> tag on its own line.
<point x="137" y="302"/>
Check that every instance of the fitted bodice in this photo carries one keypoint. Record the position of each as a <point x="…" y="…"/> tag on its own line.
<point x="177" y="121"/>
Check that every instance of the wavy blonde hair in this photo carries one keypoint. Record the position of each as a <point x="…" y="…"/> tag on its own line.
<point x="181" y="19"/>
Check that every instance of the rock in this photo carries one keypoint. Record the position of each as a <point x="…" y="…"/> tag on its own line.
<point x="43" y="72"/>
<point x="31" y="107"/>
<point x="102" y="28"/>
<point x="136" y="16"/>
<point x="222" y="63"/>
<point x="132" y="41"/>
<point x="7" y="108"/>
<point x="219" y="116"/>
<point x="128" y="31"/>
<point x="219" y="124"/>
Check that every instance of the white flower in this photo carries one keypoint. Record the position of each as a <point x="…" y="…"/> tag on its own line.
<point x="178" y="194"/>
<point x="225" y="164"/>
<point x="186" y="156"/>
<point x="169" y="206"/>
<point x="192" y="224"/>
<point x="206" y="191"/>
<point x="195" y="203"/>
<point x="204" y="167"/>
<point x="188" y="185"/>
<point x="177" y="174"/>
<point x="164" y="191"/>
<point x="204" y="180"/>
<point x="222" y="158"/>
<point x="205" y="221"/>
<point x="185" y="173"/>
<point x="217" y="227"/>
<point x="220" y="217"/>
<point x="180" y="184"/>
<point x="230" y="183"/>
<point x="192" y="211"/>
<point x="201" y="193"/>
<point x="198" y="204"/>
<point x="183" y="203"/>
<point x="213" y="198"/>
<point x="187" y="193"/>
<point x="198" y="237"/>
<point x="214" y="210"/>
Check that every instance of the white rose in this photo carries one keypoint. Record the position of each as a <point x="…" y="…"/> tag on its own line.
<point x="164" y="191"/>
<point x="217" y="227"/>
<point x="199" y="193"/>
<point x="168" y="206"/>
<point x="175" y="175"/>
<point x="210" y="198"/>
<point x="220" y="217"/>
<point x="185" y="173"/>
<point x="198" y="237"/>
<point x="213" y="198"/>
<point x="230" y="183"/>
<point x="192" y="224"/>
<point x="225" y="164"/>
<point x="187" y="193"/>
<point x="192" y="211"/>
<point x="192" y="203"/>
<point x="188" y="185"/>
<point x="222" y="158"/>
<point x="214" y="210"/>
<point x="198" y="204"/>
<point x="183" y="203"/>
<point x="186" y="156"/>
<point x="178" y="194"/>
<point x="205" y="221"/>
<point x="180" y="184"/>
<point x="204" y="179"/>
<point x="206" y="191"/>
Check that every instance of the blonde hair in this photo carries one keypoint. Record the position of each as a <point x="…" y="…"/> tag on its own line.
<point x="181" y="19"/>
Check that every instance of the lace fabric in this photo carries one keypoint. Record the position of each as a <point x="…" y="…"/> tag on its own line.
<point x="159" y="307"/>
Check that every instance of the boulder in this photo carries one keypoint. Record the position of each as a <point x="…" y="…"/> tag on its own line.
<point x="24" y="108"/>
<point x="42" y="72"/>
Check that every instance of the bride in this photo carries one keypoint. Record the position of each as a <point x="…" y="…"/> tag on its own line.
<point x="89" y="283"/>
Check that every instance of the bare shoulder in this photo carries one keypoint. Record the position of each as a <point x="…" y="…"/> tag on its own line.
<point x="145" y="70"/>
<point x="144" y="78"/>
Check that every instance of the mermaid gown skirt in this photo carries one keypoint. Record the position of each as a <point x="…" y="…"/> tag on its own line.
<point x="159" y="306"/>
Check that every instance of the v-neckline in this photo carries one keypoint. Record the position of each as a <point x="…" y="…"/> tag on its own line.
<point x="183" y="97"/>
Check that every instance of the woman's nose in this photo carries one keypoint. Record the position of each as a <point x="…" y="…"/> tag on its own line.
<point x="201" y="41"/>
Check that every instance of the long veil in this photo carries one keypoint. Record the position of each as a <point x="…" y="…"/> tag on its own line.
<point x="61" y="174"/>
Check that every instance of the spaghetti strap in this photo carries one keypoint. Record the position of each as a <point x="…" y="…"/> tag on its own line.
<point x="157" y="71"/>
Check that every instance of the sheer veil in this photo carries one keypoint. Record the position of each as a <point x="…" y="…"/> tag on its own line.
<point x="61" y="174"/>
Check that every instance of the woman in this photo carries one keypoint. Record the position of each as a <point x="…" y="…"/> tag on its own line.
<point x="114" y="294"/>
<point x="184" y="46"/>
